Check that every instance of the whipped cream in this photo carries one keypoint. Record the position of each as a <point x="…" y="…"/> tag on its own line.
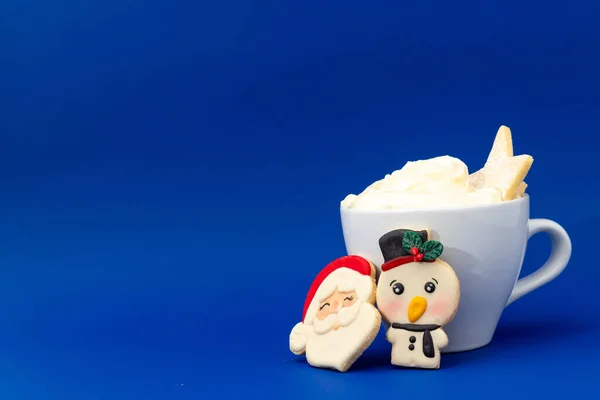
<point x="434" y="183"/>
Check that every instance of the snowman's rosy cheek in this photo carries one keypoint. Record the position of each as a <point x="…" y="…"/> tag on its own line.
<point x="389" y="307"/>
<point x="439" y="308"/>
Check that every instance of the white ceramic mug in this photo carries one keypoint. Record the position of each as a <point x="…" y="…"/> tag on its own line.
<point x="485" y="245"/>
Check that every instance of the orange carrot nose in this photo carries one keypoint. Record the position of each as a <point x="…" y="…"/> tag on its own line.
<point x="416" y="308"/>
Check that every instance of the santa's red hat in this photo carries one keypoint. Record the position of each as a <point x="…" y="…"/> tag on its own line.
<point x="349" y="273"/>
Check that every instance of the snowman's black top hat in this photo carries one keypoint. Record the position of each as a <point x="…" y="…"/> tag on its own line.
<point x="402" y="246"/>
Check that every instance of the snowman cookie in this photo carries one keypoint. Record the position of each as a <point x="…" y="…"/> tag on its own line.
<point x="339" y="320"/>
<point x="417" y="294"/>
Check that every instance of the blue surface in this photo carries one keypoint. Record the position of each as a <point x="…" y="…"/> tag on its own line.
<point x="171" y="174"/>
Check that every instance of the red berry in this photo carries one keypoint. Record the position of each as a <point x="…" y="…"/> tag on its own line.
<point x="414" y="251"/>
<point x="419" y="257"/>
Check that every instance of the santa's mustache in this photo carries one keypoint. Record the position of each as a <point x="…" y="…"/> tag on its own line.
<point x="344" y="317"/>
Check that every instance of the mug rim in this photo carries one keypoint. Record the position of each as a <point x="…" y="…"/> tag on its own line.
<point x="492" y="206"/>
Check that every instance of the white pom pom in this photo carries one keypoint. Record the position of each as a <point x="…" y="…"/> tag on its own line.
<point x="298" y="339"/>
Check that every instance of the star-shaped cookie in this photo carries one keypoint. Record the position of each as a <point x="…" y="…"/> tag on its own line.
<point x="502" y="170"/>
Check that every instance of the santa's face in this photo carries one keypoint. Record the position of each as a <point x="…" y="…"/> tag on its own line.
<point x="334" y="303"/>
<point x="339" y="309"/>
<point x="418" y="293"/>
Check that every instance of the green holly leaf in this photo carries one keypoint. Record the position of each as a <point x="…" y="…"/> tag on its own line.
<point x="431" y="250"/>
<point x="411" y="239"/>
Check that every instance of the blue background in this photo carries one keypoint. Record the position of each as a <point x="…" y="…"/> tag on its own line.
<point x="171" y="175"/>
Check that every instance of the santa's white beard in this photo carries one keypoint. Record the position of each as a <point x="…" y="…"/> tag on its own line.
<point x="344" y="317"/>
<point x="334" y="348"/>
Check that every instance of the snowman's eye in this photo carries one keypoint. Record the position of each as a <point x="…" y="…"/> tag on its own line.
<point x="398" y="288"/>
<point x="430" y="287"/>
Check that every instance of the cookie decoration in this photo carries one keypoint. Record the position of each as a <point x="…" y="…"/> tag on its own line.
<point x="503" y="170"/>
<point x="417" y="294"/>
<point x="339" y="320"/>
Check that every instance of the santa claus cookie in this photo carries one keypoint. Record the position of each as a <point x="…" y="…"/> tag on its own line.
<point x="417" y="294"/>
<point x="339" y="320"/>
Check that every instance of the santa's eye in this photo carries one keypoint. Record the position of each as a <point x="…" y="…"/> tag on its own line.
<point x="349" y="298"/>
<point x="430" y="287"/>
<point x="323" y="306"/>
<point x="398" y="288"/>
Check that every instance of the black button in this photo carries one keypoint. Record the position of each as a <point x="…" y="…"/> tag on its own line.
<point x="412" y="339"/>
<point x="411" y="347"/>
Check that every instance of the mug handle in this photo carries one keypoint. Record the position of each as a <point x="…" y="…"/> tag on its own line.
<point x="558" y="260"/>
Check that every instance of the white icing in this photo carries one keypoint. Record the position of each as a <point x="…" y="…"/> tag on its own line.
<point x="336" y="348"/>
<point x="345" y="287"/>
<point x="325" y="290"/>
<point x="347" y="315"/>
<point x="413" y="276"/>
<point x="298" y="338"/>
<point x="436" y="182"/>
